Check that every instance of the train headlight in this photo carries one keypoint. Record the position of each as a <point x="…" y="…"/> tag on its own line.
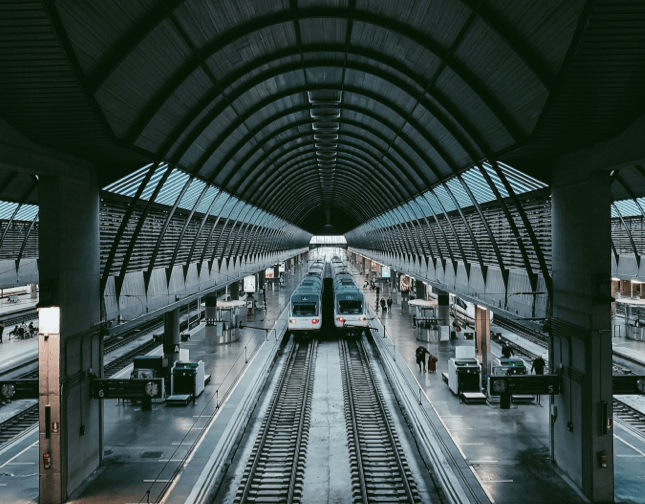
<point x="340" y="319"/>
<point x="314" y="321"/>
<point x="293" y="321"/>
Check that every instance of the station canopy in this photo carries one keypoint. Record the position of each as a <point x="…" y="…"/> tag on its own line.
<point x="323" y="113"/>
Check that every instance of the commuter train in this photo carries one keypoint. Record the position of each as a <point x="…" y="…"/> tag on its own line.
<point x="350" y="310"/>
<point x="463" y="311"/>
<point x="305" y="306"/>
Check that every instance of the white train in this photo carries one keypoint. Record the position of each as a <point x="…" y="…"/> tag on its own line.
<point x="350" y="310"/>
<point x="305" y="305"/>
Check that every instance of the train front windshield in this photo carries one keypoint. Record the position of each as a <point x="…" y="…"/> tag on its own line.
<point x="304" y="309"/>
<point x="349" y="307"/>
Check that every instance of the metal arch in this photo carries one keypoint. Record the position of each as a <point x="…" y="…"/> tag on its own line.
<point x="300" y="134"/>
<point x="265" y="229"/>
<point x="210" y="234"/>
<point x="629" y="233"/>
<point x="24" y="242"/>
<point x="250" y="226"/>
<point x="219" y="238"/>
<point x="630" y="192"/>
<point x="304" y="149"/>
<point x="135" y="236"/>
<point x="422" y="213"/>
<point x="266" y="173"/>
<point x="443" y="232"/>
<point x="31" y="189"/>
<point x="283" y="200"/>
<point x="527" y="226"/>
<point x="162" y="233"/>
<point x="500" y="260"/>
<point x="392" y="79"/>
<point x="514" y="41"/>
<point x="238" y="220"/>
<point x="301" y="163"/>
<point x="514" y="229"/>
<point x="405" y="222"/>
<point x="484" y="94"/>
<point x="124" y="223"/>
<point x="203" y="222"/>
<point x="252" y="234"/>
<point x="180" y="238"/>
<point x="415" y="223"/>
<point x="297" y="162"/>
<point x="212" y="148"/>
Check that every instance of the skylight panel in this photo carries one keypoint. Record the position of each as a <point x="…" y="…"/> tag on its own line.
<point x="7" y="209"/>
<point x="27" y="213"/>
<point x="192" y="194"/>
<point x="171" y="189"/>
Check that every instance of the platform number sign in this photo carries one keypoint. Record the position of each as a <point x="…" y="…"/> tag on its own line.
<point x="127" y="389"/>
<point x="524" y="384"/>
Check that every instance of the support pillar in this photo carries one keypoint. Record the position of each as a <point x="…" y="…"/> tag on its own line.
<point x="626" y="288"/>
<point x="71" y="349"/>
<point x="235" y="291"/>
<point x="420" y="289"/>
<point x="580" y="346"/>
<point x="642" y="291"/>
<point x="482" y="329"/>
<point x="443" y="307"/>
<point x="210" y="331"/>
<point x="33" y="294"/>
<point x="171" y="338"/>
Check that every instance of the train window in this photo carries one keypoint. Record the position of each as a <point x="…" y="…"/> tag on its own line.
<point x="348" y="307"/>
<point x="304" y="309"/>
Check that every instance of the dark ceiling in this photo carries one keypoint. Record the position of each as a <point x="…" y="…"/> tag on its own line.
<point x="322" y="112"/>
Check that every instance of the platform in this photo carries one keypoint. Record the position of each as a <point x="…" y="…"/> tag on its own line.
<point x="506" y="450"/>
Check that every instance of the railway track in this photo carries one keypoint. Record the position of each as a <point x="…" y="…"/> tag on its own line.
<point x="18" y="424"/>
<point x="380" y="472"/>
<point x="275" y="470"/>
<point x="629" y="416"/>
<point x="534" y="336"/>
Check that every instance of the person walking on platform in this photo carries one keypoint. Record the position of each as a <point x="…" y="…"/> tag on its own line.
<point x="507" y="351"/>
<point x="432" y="364"/>
<point x="389" y="304"/>
<point x="378" y="291"/>
<point x="1" y="330"/>
<point x="421" y="357"/>
<point x="538" y="367"/>
<point x="383" y="308"/>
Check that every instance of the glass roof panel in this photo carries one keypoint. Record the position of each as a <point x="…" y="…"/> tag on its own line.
<point x="207" y="199"/>
<point x="27" y="213"/>
<point x="459" y="193"/>
<point x="154" y="180"/>
<point x="7" y="209"/>
<point x="129" y="184"/>
<point x="627" y="208"/>
<point x="478" y="185"/>
<point x="172" y="188"/>
<point x="192" y="194"/>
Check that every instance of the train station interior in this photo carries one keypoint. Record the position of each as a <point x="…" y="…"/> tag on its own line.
<point x="316" y="251"/>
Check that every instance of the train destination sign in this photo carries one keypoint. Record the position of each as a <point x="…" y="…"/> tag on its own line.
<point x="127" y="389"/>
<point x="19" y="389"/>
<point x="628" y="384"/>
<point x="524" y="384"/>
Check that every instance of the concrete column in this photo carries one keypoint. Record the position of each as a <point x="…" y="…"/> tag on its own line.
<point x="33" y="294"/>
<point x="235" y="291"/>
<point x="210" y="331"/>
<point x="443" y="307"/>
<point x="421" y="289"/>
<point x="71" y="430"/>
<point x="581" y="329"/>
<point x="482" y="328"/>
<point x="642" y="291"/>
<point x="262" y="279"/>
<point x="368" y="268"/>
<point x="276" y="272"/>
<point x="171" y="337"/>
<point x="626" y="288"/>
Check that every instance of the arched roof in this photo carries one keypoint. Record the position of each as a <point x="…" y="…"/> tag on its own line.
<point x="320" y="112"/>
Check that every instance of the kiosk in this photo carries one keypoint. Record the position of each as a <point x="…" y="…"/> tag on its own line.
<point x="464" y="375"/>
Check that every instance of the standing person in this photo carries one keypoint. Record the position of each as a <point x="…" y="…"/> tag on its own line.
<point x="421" y="357"/>
<point x="538" y="366"/>
<point x="507" y="351"/>
<point x="432" y="364"/>
<point x="1" y="330"/>
<point x="389" y="303"/>
<point x="383" y="308"/>
<point x="378" y="291"/>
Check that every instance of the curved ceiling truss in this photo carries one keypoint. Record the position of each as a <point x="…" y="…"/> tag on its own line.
<point x="301" y="108"/>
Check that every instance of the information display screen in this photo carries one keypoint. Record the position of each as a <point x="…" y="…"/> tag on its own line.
<point x="268" y="273"/>
<point x="524" y="384"/>
<point x="249" y="284"/>
<point x="385" y="271"/>
<point x="127" y="389"/>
